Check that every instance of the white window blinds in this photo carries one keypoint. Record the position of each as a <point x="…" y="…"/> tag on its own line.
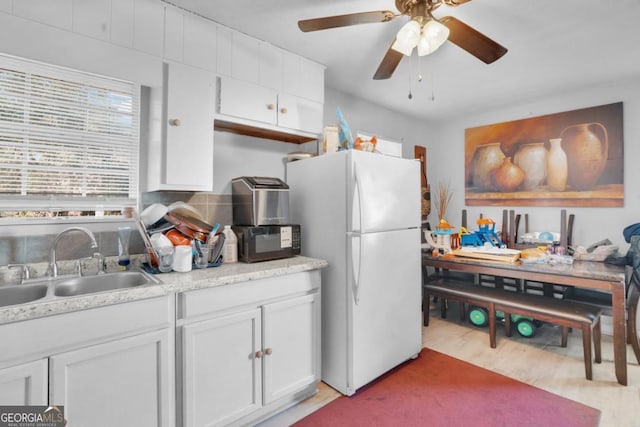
<point x="68" y="139"/>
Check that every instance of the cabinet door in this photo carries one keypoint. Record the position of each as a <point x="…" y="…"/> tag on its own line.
<point x="54" y="13"/>
<point x="173" y="34"/>
<point x="247" y="101"/>
<point x="302" y="77"/>
<point x="270" y="66"/>
<point x="199" y="42"/>
<point x="245" y="57"/>
<point x="126" y="382"/>
<point x="311" y="81"/>
<point x="24" y="384"/>
<point x="122" y="12"/>
<point x="92" y="18"/>
<point x="148" y="25"/>
<point x="299" y="113"/>
<point x="223" y="50"/>
<point x="291" y="345"/>
<point x="189" y="140"/>
<point x="222" y="375"/>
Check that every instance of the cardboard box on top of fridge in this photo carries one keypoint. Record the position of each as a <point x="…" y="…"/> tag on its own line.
<point x="385" y="146"/>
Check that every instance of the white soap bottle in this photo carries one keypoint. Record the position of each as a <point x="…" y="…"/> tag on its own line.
<point x="230" y="249"/>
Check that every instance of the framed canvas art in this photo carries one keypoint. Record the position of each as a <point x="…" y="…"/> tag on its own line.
<point x="572" y="158"/>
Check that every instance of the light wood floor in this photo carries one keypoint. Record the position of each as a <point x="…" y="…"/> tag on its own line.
<point x="539" y="361"/>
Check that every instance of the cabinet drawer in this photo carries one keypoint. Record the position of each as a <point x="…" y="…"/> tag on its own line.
<point x="40" y="337"/>
<point x="256" y="292"/>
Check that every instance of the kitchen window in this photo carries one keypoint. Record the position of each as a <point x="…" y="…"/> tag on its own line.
<point x="69" y="141"/>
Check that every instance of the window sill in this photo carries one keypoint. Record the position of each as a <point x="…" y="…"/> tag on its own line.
<point x="13" y="227"/>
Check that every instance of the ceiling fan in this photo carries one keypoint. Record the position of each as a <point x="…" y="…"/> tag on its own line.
<point x="422" y="31"/>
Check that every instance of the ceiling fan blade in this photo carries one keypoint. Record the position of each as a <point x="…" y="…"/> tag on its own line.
<point x="474" y="42"/>
<point x="345" y="20"/>
<point x="455" y="2"/>
<point x="388" y="65"/>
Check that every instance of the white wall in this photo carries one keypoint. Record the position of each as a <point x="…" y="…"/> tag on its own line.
<point x="362" y="116"/>
<point x="236" y="155"/>
<point x="446" y="153"/>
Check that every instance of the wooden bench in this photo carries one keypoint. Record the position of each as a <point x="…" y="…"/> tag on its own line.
<point x="564" y="313"/>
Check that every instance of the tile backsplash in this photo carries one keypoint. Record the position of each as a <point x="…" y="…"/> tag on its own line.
<point x="215" y="208"/>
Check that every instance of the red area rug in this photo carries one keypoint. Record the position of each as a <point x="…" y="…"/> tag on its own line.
<point x="438" y="390"/>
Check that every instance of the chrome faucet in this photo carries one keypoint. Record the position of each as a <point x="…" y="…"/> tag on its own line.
<point x="23" y="272"/>
<point x="100" y="258"/>
<point x="53" y="267"/>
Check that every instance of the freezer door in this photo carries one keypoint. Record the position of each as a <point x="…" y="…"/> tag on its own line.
<point x="385" y="303"/>
<point x="384" y="191"/>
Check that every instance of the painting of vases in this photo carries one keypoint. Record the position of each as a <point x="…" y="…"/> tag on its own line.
<point x="572" y="158"/>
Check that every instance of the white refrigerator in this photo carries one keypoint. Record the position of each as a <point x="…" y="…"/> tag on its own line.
<point x="361" y="212"/>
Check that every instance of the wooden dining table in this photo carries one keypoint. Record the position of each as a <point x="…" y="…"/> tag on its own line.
<point x="582" y="274"/>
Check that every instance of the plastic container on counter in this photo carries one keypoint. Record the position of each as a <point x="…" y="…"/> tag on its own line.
<point x="230" y="250"/>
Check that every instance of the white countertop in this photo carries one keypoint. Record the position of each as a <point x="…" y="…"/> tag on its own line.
<point x="225" y="274"/>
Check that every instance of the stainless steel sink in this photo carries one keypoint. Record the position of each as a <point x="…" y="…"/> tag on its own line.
<point x="101" y="283"/>
<point x="20" y="294"/>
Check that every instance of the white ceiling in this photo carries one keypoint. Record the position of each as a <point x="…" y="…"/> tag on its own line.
<point x="554" y="46"/>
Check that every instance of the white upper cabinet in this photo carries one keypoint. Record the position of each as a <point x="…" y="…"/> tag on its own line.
<point x="248" y="100"/>
<point x="302" y="77"/>
<point x="223" y="50"/>
<point x="270" y="66"/>
<point x="310" y="80"/>
<point x="243" y="100"/>
<point x="173" y="34"/>
<point x="299" y="113"/>
<point x="189" y="39"/>
<point x="181" y="157"/>
<point x="263" y="87"/>
<point x="92" y="18"/>
<point x="245" y="57"/>
<point x="199" y="42"/>
<point x="55" y="13"/>
<point x="122" y="22"/>
<point x="148" y="20"/>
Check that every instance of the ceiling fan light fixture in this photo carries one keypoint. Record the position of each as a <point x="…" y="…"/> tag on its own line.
<point x="425" y="47"/>
<point x="433" y="35"/>
<point x="407" y="38"/>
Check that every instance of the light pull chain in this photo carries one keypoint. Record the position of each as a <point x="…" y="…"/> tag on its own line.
<point x="410" y="96"/>
<point x="431" y="80"/>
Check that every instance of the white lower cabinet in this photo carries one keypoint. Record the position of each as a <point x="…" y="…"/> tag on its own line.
<point x="119" y="383"/>
<point x="108" y="366"/>
<point x="290" y="343"/>
<point x="227" y="355"/>
<point x="222" y="377"/>
<point x="24" y="384"/>
<point x="246" y="363"/>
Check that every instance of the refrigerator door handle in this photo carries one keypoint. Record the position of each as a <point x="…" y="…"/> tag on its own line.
<point x="356" y="277"/>
<point x="358" y="188"/>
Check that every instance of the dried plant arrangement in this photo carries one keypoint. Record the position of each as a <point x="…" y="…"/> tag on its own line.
<point x="445" y="193"/>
